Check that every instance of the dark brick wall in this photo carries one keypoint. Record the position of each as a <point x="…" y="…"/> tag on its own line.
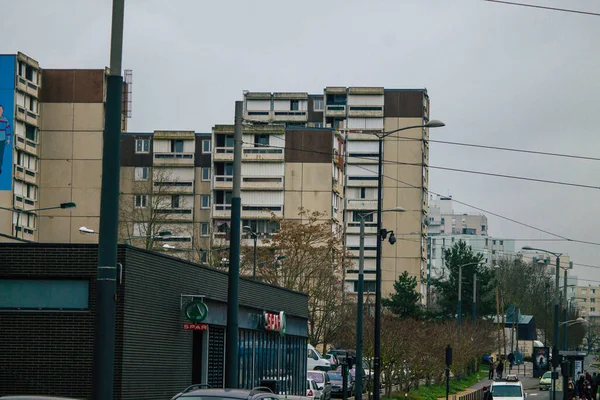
<point x="50" y="353"/>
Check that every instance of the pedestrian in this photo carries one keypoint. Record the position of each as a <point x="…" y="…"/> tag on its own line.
<point x="491" y="369"/>
<point x="500" y="369"/>
<point x="594" y="385"/>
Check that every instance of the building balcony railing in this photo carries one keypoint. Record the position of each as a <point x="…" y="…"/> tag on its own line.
<point x="223" y="182"/>
<point x="26" y="145"/>
<point x="174" y="158"/>
<point x="366" y="158"/>
<point x="24" y="203"/>
<point x="335" y="110"/>
<point x="258" y="115"/>
<point x="221" y="211"/>
<point x="178" y="187"/>
<point x="365" y="111"/>
<point x="25" y="174"/>
<point x="290" y="115"/>
<point x="28" y="87"/>
<point x="354" y="227"/>
<point x="176" y="214"/>
<point x="263" y="154"/>
<point x="249" y="211"/>
<point x="262" y="182"/>
<point x="362" y="204"/>
<point x="223" y="154"/>
<point x="362" y="181"/>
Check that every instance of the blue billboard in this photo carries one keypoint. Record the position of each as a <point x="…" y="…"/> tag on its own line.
<point x="7" y="113"/>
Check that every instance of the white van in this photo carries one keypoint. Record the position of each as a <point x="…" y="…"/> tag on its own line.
<point x="316" y="361"/>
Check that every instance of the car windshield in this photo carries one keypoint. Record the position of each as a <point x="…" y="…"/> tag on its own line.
<point x="547" y="375"/>
<point x="315" y="376"/>
<point x="507" y="391"/>
<point x="336" y="376"/>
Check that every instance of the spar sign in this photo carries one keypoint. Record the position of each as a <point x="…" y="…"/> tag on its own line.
<point x="275" y="322"/>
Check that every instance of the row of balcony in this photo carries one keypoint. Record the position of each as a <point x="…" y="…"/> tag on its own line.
<point x="261" y="154"/>
<point x="28" y="146"/>
<point x="343" y="110"/>
<point x="25" y="174"/>
<point x="248" y="212"/>
<point x="278" y="115"/>
<point x="28" y="87"/>
<point x="225" y="182"/>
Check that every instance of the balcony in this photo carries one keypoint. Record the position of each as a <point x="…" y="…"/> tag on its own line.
<point x="262" y="183"/>
<point x="362" y="181"/>
<point x="28" y="87"/>
<point x="366" y="158"/>
<point x="176" y="187"/>
<point x="262" y="211"/>
<point x="176" y="214"/>
<point x="354" y="227"/>
<point x="174" y="159"/>
<point x="221" y="211"/>
<point x="362" y="204"/>
<point x="290" y="115"/>
<point x="24" y="203"/>
<point x="25" y="174"/>
<point x="258" y="115"/>
<point x="28" y="116"/>
<point x="262" y="154"/>
<point x="365" y="111"/>
<point x="223" y="154"/>
<point x="29" y="146"/>
<point x="223" y="182"/>
<point x="335" y="110"/>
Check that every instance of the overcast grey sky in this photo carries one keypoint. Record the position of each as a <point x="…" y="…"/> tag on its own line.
<point x="496" y="74"/>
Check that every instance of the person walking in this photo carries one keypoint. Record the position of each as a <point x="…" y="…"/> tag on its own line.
<point x="500" y="369"/>
<point x="491" y="369"/>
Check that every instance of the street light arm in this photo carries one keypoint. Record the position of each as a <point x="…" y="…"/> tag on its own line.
<point x="431" y="124"/>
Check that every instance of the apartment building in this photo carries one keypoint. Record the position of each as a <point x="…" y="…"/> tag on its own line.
<point x="442" y="220"/>
<point x="587" y="300"/>
<point x="319" y="152"/>
<point x="54" y="120"/>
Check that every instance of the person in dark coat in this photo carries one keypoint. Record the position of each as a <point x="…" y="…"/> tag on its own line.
<point x="500" y="369"/>
<point x="491" y="369"/>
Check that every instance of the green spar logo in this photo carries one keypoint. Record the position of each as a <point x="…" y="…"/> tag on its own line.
<point x="196" y="311"/>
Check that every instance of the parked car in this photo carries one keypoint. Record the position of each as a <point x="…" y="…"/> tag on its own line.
<point x="313" y="391"/>
<point x="193" y="393"/>
<point x="333" y="360"/>
<point x="316" y="361"/>
<point x="337" y="383"/>
<point x="323" y="382"/>
<point x="510" y="387"/>
<point x="546" y="381"/>
<point x="34" y="397"/>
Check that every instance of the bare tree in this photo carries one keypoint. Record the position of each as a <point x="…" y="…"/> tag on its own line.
<point x="312" y="265"/>
<point x="145" y="213"/>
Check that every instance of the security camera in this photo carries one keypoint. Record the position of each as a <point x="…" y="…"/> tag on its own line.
<point x="392" y="237"/>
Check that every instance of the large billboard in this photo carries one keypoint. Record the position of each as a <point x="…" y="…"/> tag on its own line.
<point x="7" y="113"/>
<point x="541" y="361"/>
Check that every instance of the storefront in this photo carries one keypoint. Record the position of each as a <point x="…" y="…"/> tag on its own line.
<point x="170" y="325"/>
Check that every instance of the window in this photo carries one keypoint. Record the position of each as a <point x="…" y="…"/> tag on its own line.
<point x="206" y="174"/>
<point x="142" y="173"/>
<point x="44" y="294"/>
<point x="593" y="291"/>
<point x="502" y="243"/>
<point x="593" y="300"/>
<point x="486" y="243"/>
<point x="318" y="124"/>
<point x="32" y="105"/>
<point x="205" y="201"/>
<point x="204" y="229"/>
<point x="319" y="104"/>
<point x="261" y="140"/>
<point x="175" y="201"/>
<point x="31" y="133"/>
<point x="206" y="146"/>
<point x="592" y="309"/>
<point x="261" y="225"/>
<point x="493" y="242"/>
<point x="176" y="146"/>
<point x="356" y="217"/>
<point x="294" y="105"/>
<point x="363" y="193"/>
<point x="142" y="145"/>
<point x="368" y="287"/>
<point x="141" y="200"/>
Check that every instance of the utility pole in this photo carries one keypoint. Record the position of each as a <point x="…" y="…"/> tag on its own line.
<point x="231" y="352"/>
<point x="459" y="306"/>
<point x="359" y="311"/>
<point x="475" y="299"/>
<point x="565" y="313"/>
<point x="106" y="285"/>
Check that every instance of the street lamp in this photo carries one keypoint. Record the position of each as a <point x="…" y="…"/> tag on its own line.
<point x="377" y="358"/>
<point x="459" y="305"/>
<point x="556" y="315"/>
<point x="255" y="238"/>
<point x="359" y="302"/>
<point x="20" y="211"/>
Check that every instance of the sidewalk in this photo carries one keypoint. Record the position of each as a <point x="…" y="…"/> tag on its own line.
<point x="525" y="374"/>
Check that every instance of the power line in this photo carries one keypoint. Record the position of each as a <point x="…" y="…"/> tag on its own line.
<point x="511" y="149"/>
<point x="467" y="171"/>
<point x="544" y="7"/>
<point x="463" y="203"/>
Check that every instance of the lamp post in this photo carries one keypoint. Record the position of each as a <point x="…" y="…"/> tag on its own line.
<point x="255" y="238"/>
<point x="556" y="315"/>
<point x="459" y="305"/>
<point x="359" y="302"/>
<point x="20" y="211"/>
<point x="377" y="350"/>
